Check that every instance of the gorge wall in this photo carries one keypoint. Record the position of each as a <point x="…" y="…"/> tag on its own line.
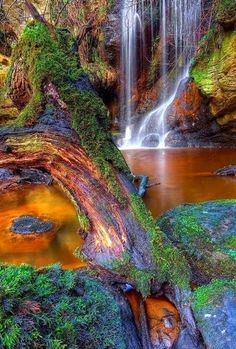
<point x="203" y="111"/>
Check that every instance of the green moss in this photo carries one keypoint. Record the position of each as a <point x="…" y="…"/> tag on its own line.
<point x="210" y="295"/>
<point x="215" y="50"/>
<point x="154" y="64"/>
<point x="171" y="264"/>
<point x="141" y="277"/>
<point x="226" y="11"/>
<point x="84" y="223"/>
<point x="197" y="229"/>
<point x="44" y="309"/>
<point x="44" y="59"/>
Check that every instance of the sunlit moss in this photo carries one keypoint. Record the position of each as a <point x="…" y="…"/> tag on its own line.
<point x="52" y="308"/>
<point x="44" y="59"/>
<point x="169" y="264"/>
<point x="207" y="296"/>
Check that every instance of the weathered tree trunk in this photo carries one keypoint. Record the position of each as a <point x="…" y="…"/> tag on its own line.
<point x="112" y="227"/>
<point x="76" y="150"/>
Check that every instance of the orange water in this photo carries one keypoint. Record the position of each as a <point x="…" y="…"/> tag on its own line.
<point x="48" y="203"/>
<point x="186" y="175"/>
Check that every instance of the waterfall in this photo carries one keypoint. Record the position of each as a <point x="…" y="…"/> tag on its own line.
<point x="179" y="23"/>
<point x="133" y="47"/>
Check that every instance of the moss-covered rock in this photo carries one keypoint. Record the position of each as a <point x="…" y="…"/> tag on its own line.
<point x="214" y="72"/>
<point x="206" y="235"/>
<point x="214" y="307"/>
<point x="226" y="12"/>
<point x="52" y="308"/>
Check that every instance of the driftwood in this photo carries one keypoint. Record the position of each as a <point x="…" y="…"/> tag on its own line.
<point x="146" y="341"/>
<point x="143" y="184"/>
<point x="227" y="171"/>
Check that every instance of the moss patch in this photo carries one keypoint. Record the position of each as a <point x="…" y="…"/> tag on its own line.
<point x="210" y="295"/>
<point x="204" y="232"/>
<point x="44" y="59"/>
<point x="170" y="262"/>
<point x="226" y="11"/>
<point x="56" y="309"/>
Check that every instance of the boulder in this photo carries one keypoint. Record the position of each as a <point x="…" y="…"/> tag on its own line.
<point x="30" y="225"/>
<point x="215" y="308"/>
<point x="185" y="341"/>
<point x="151" y="140"/>
<point x="206" y="234"/>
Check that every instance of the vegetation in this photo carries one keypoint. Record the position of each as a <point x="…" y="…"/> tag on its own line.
<point x="169" y="263"/>
<point x="226" y="11"/>
<point x="198" y="236"/>
<point x="44" y="60"/>
<point x="56" y="309"/>
<point x="210" y="295"/>
<point x="141" y="277"/>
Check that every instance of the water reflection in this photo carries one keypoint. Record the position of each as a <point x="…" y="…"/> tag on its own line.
<point x="48" y="203"/>
<point x="186" y="175"/>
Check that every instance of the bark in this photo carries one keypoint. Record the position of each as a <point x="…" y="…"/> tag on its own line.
<point x="50" y="145"/>
<point x="112" y="227"/>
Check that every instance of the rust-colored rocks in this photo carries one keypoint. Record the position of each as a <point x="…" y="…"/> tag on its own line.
<point x="214" y="72"/>
<point x="162" y="317"/>
<point x="190" y="121"/>
<point x="164" y="322"/>
<point x="187" y="106"/>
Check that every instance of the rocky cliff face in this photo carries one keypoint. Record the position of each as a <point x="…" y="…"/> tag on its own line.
<point x="204" y="111"/>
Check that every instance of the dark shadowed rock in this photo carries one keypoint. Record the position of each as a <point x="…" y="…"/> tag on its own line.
<point x="216" y="316"/>
<point x="25" y="175"/>
<point x="185" y="341"/>
<point x="30" y="225"/>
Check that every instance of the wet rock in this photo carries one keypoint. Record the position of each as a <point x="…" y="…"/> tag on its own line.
<point x="185" y="341"/>
<point x="216" y="318"/>
<point x="227" y="171"/>
<point x="83" y="84"/>
<point x="151" y="140"/>
<point x="30" y="225"/>
<point x="112" y="30"/>
<point x="206" y="234"/>
<point x="190" y="122"/>
<point x="214" y="73"/>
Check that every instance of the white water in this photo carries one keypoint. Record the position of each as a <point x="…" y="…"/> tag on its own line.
<point x="132" y="41"/>
<point x="179" y="25"/>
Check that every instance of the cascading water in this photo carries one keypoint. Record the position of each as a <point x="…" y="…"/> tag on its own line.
<point x="133" y="17"/>
<point x="179" y="23"/>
